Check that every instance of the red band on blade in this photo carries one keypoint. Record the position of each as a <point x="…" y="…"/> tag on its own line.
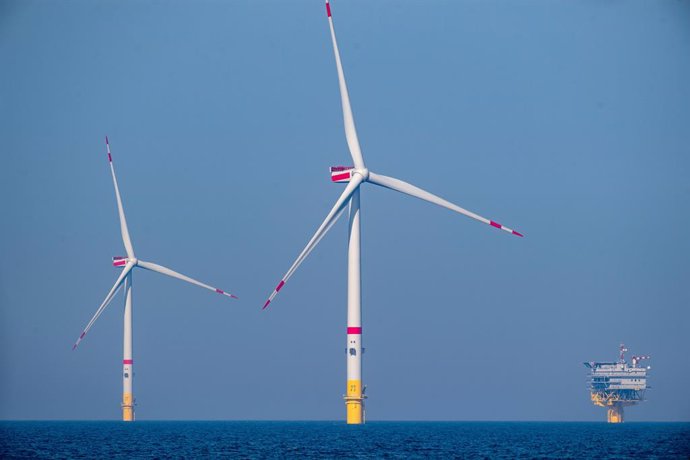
<point x="119" y="263"/>
<point x="266" y="304"/>
<point x="110" y="159"/>
<point x="127" y="361"/>
<point x="280" y="286"/>
<point x="328" y="9"/>
<point x="82" y="335"/>
<point x="220" y="291"/>
<point x="354" y="330"/>
<point x="338" y="177"/>
<point x="496" y="224"/>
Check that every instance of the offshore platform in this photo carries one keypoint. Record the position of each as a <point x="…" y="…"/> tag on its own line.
<point x="616" y="385"/>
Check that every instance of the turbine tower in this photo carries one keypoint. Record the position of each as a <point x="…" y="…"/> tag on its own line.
<point x="128" y="264"/>
<point x="354" y="176"/>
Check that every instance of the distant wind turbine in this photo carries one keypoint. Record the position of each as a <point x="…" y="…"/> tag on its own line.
<point x="129" y="263"/>
<point x="354" y="177"/>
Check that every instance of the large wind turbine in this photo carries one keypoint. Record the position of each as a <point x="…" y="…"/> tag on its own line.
<point x="354" y="177"/>
<point x="129" y="263"/>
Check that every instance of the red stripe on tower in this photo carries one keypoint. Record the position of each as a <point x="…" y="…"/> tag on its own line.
<point x="328" y="9"/>
<point x="354" y="330"/>
<point x="127" y="361"/>
<point x="342" y="176"/>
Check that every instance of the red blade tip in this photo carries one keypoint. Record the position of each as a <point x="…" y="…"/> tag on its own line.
<point x="518" y="234"/>
<point x="220" y="291"/>
<point x="266" y="304"/>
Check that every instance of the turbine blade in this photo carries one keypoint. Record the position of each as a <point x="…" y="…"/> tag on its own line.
<point x="106" y="302"/>
<point x="348" y="119"/>
<point x="123" y="222"/>
<point x="409" y="189"/>
<point x="166" y="271"/>
<point x="326" y="225"/>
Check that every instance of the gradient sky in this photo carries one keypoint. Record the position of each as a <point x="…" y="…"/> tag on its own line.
<point x="568" y="121"/>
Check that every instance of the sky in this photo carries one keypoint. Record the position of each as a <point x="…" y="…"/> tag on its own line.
<point x="567" y="121"/>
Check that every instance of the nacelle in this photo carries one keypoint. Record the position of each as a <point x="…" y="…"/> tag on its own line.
<point x="341" y="174"/>
<point x="119" y="261"/>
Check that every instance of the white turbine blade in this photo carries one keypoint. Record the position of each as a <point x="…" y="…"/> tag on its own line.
<point x="409" y="189"/>
<point x="348" y="119"/>
<point x="166" y="271"/>
<point x="326" y="225"/>
<point x="123" y="222"/>
<point x="106" y="302"/>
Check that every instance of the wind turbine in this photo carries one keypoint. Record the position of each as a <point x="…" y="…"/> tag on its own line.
<point x="354" y="177"/>
<point x="128" y="265"/>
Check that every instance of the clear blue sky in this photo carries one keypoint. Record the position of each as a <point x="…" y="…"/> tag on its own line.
<point x="568" y="121"/>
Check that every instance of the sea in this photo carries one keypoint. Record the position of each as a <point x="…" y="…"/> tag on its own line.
<point x="336" y="440"/>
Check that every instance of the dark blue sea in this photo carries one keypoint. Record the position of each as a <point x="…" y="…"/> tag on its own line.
<point x="337" y="440"/>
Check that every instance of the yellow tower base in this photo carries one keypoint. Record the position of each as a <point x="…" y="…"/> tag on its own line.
<point x="354" y="402"/>
<point x="614" y="414"/>
<point x="127" y="407"/>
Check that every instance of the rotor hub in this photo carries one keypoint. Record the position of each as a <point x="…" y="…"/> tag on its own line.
<point x="364" y="172"/>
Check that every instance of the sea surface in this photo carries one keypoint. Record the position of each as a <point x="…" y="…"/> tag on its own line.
<point x="337" y="440"/>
